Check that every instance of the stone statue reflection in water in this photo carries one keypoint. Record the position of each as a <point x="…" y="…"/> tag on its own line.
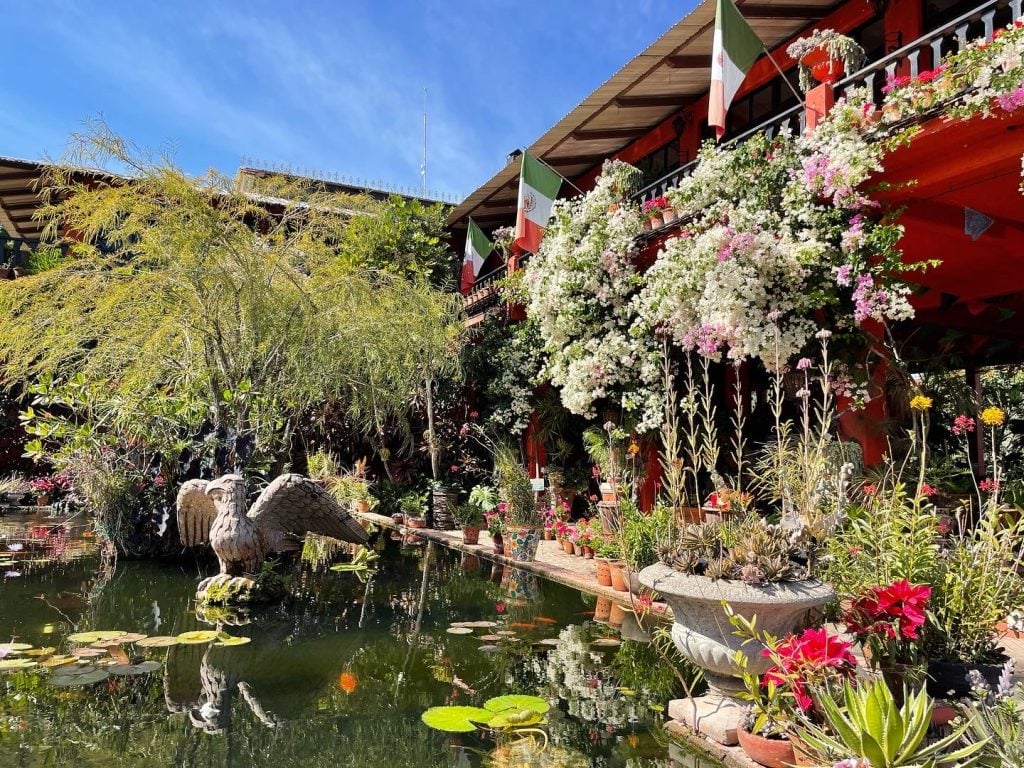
<point x="214" y="512"/>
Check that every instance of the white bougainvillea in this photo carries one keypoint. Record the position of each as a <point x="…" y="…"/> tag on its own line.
<point x="581" y="286"/>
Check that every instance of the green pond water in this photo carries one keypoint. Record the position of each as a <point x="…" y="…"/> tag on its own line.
<point x="338" y="675"/>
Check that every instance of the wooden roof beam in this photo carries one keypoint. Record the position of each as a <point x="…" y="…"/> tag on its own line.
<point x="601" y="134"/>
<point x="19" y="175"/>
<point x="661" y="100"/>
<point x="688" y="62"/>
<point x="800" y="12"/>
<point x="576" y="159"/>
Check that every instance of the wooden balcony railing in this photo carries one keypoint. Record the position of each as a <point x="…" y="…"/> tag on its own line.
<point x="913" y="58"/>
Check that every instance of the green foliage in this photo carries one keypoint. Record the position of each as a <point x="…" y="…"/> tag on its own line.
<point x="514" y="486"/>
<point x="403" y="238"/>
<point x="999" y="725"/>
<point x="42" y="260"/>
<point x="642" y="534"/>
<point x="484" y="496"/>
<point x="468" y="514"/>
<point x="866" y="722"/>
<point x="188" y="309"/>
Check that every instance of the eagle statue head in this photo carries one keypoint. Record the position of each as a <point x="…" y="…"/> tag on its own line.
<point x="228" y="494"/>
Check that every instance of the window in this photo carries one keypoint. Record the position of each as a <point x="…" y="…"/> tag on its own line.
<point x="659" y="162"/>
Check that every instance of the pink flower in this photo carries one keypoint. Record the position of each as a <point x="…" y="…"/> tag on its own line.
<point x="870" y="489"/>
<point x="500" y="607"/>
<point x="962" y="424"/>
<point x="804" y="363"/>
<point x="926" y="490"/>
<point x="988" y="485"/>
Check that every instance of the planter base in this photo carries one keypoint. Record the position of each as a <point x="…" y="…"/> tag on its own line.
<point x="714" y="715"/>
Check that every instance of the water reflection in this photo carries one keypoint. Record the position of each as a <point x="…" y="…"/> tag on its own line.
<point x="336" y="676"/>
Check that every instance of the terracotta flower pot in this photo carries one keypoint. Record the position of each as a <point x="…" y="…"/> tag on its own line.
<point x="362" y="506"/>
<point x="617" y="615"/>
<point x="416" y="522"/>
<point x="608" y="492"/>
<point x="398" y="518"/>
<point x="42" y="501"/>
<point x="669" y="215"/>
<point x="566" y="546"/>
<point x="618" y="574"/>
<point x="588" y="552"/>
<point x="603" y="571"/>
<point x="603" y="609"/>
<point x="824" y="68"/>
<point x="771" y="753"/>
<point x="470" y="534"/>
<point x="577" y="549"/>
<point x="647" y="225"/>
<point x="657" y="222"/>
<point x="549" y="535"/>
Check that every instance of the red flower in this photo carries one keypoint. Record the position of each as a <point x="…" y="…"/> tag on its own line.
<point x="870" y="489"/>
<point x="896" y="611"/>
<point x="500" y="607"/>
<point x="926" y="490"/>
<point x="802" y="659"/>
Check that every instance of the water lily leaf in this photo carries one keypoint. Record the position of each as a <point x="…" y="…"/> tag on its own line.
<point x="41" y="651"/>
<point x="142" y="668"/>
<point x="10" y="648"/>
<point x="92" y="637"/>
<point x="197" y="636"/>
<point x="160" y="641"/>
<point x="455" y="719"/>
<point x="491" y="638"/>
<point x="606" y="642"/>
<point x="68" y="681"/>
<point x="552" y="641"/>
<point x="506" y="633"/>
<point x="517" y="702"/>
<point x="127" y="637"/>
<point x="516" y="718"/>
<point x="88" y="653"/>
<point x="57" y="661"/>
<point x="77" y="669"/>
<point x="13" y="664"/>
<point x="475" y="624"/>
<point x="227" y="642"/>
<point x="488" y="649"/>
<point x="460" y="631"/>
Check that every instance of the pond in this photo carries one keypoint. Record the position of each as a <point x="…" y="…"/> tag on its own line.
<point x="338" y="675"/>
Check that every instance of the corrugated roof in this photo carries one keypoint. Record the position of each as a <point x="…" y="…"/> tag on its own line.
<point x="674" y="71"/>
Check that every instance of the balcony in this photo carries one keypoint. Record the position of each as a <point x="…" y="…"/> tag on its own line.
<point x="911" y="59"/>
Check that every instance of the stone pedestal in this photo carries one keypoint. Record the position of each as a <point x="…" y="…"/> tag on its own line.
<point x="714" y="715"/>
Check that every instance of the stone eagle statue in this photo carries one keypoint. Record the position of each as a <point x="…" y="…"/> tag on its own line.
<point x="290" y="507"/>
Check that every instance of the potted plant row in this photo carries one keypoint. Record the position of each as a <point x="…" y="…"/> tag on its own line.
<point x="657" y="213"/>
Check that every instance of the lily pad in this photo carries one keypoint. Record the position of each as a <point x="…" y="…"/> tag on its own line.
<point x="488" y="649"/>
<point x="456" y="719"/>
<point x="7" y="665"/>
<point x="490" y="638"/>
<point x="93" y="637"/>
<point x="475" y="624"/>
<point x="88" y="653"/>
<point x="198" y="636"/>
<point x="506" y="633"/>
<point x="227" y="642"/>
<point x="57" y="661"/>
<point x="160" y="641"/>
<point x="606" y="642"/>
<point x="516" y="718"/>
<point x="77" y="669"/>
<point x="516" y="701"/>
<point x="142" y="668"/>
<point x="552" y="641"/>
<point x="9" y="648"/>
<point x="69" y="681"/>
<point x="460" y="631"/>
<point x="48" y="650"/>
<point x="127" y="637"/>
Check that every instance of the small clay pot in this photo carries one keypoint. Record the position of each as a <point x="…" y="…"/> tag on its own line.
<point x="398" y="518"/>
<point x="549" y="535"/>
<point x="618" y="574"/>
<point x="470" y="534"/>
<point x="603" y="609"/>
<point x="416" y="522"/>
<point x="567" y="546"/>
<point x="577" y="549"/>
<point x="771" y="753"/>
<point x="588" y="552"/>
<point x="603" y="571"/>
<point x="362" y="506"/>
<point x="616" y="616"/>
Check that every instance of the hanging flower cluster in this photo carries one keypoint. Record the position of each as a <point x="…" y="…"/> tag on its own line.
<point x="777" y="229"/>
<point x="581" y="286"/>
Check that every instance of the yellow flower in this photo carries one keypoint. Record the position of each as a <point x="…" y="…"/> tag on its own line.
<point x="992" y="416"/>
<point x="633" y="449"/>
<point x="921" y="403"/>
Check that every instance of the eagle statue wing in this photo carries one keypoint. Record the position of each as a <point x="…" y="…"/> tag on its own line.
<point x="196" y="511"/>
<point x="293" y="505"/>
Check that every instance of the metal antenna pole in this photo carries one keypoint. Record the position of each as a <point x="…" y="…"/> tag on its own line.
<point x="423" y="168"/>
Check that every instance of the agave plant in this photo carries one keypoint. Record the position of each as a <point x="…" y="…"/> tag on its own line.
<point x="866" y="724"/>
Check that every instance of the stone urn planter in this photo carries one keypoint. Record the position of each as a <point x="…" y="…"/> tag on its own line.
<point x="702" y="633"/>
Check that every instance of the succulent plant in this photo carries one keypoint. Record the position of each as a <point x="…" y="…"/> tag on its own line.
<point x="747" y="548"/>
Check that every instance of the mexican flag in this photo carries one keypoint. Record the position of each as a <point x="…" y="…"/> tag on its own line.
<point x="735" y="50"/>
<point x="477" y="249"/>
<point x="538" y="188"/>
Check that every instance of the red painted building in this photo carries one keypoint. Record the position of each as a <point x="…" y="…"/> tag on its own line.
<point x="964" y="209"/>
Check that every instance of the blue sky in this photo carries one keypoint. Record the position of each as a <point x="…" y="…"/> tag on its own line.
<point x="331" y="86"/>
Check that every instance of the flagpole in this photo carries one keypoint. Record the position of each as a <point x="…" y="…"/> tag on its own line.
<point x="781" y="73"/>
<point x="541" y="161"/>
